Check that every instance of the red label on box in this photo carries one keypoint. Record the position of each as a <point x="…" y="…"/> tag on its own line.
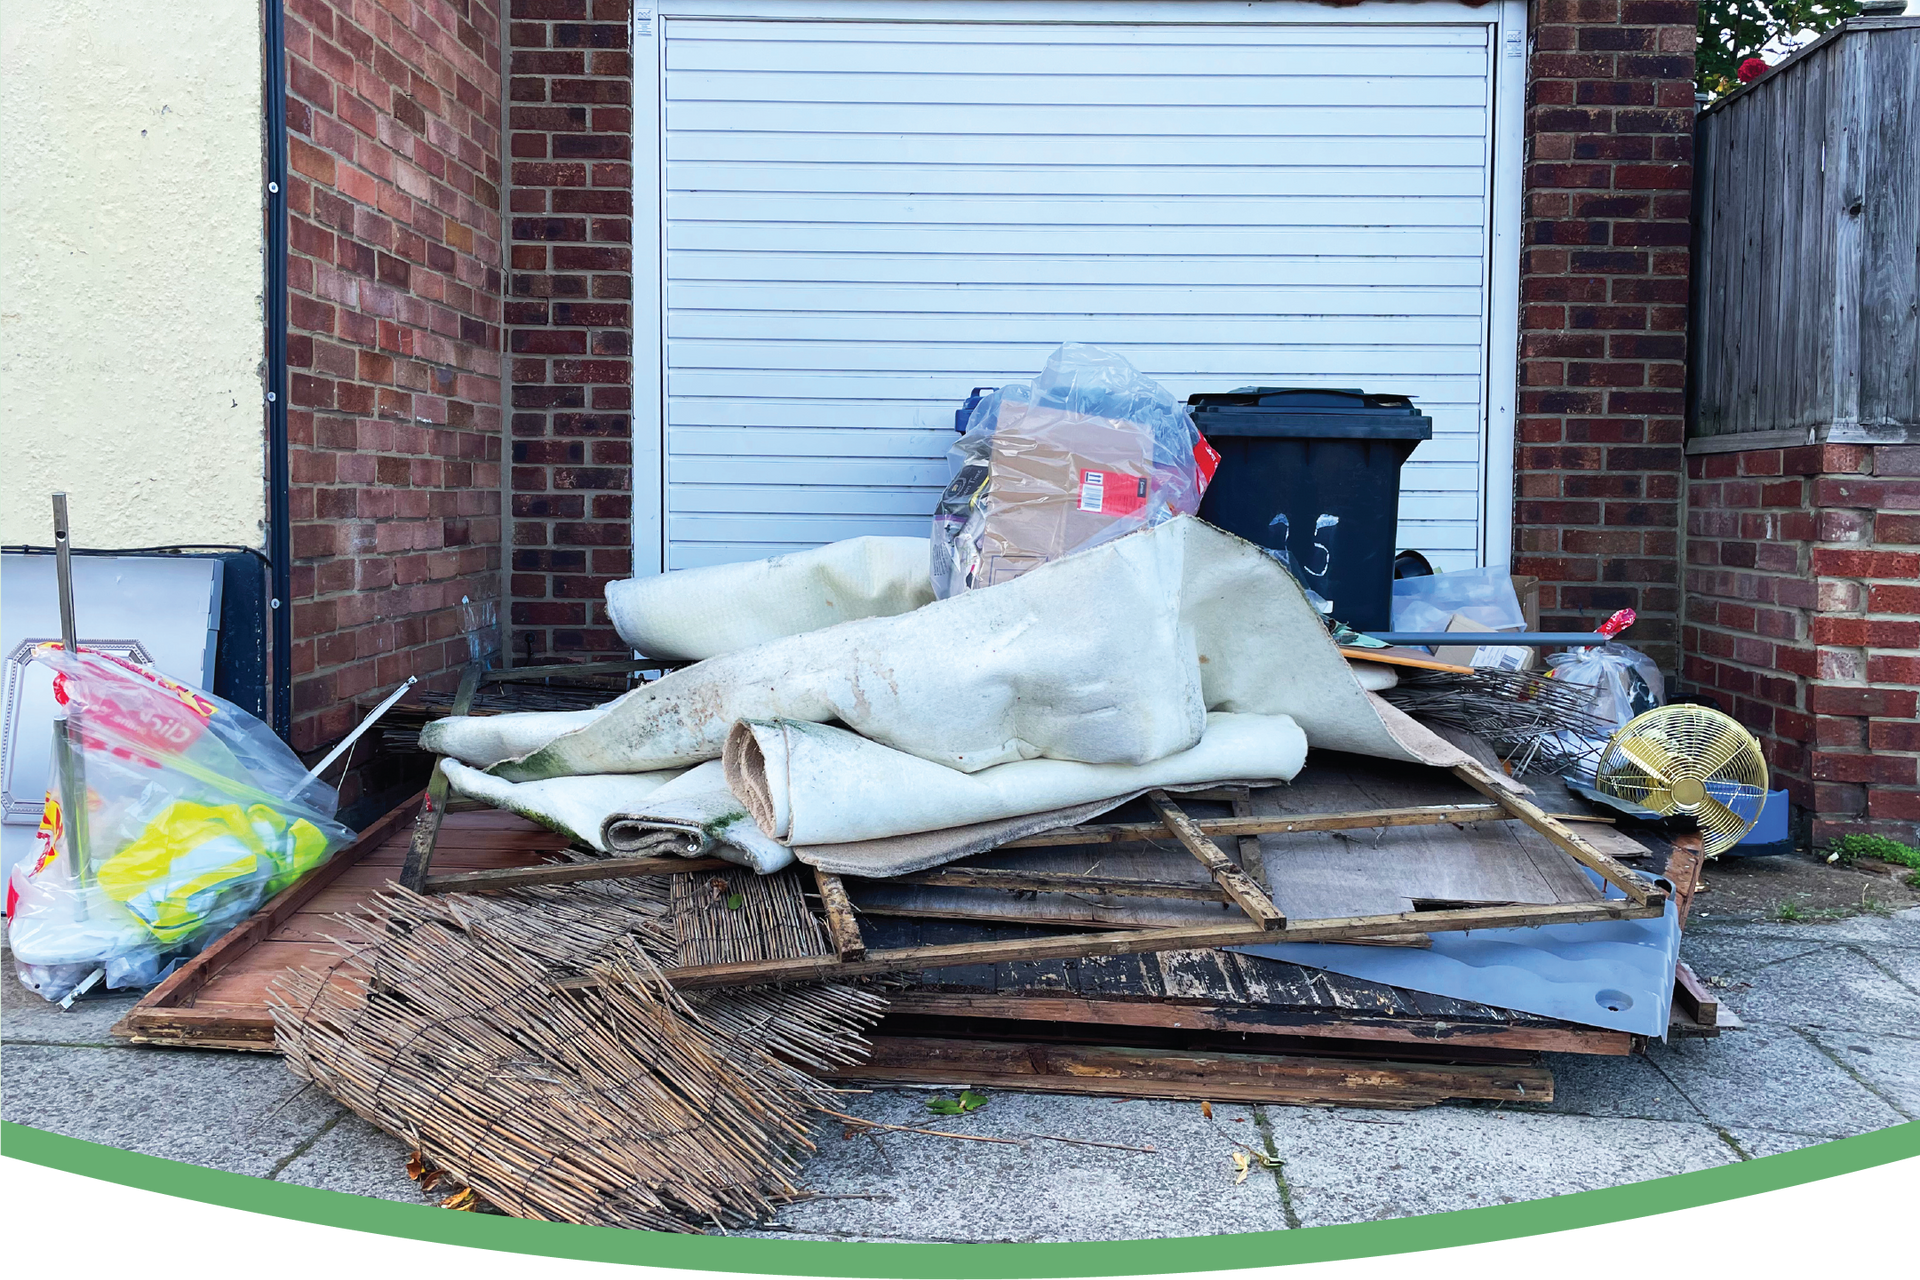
<point x="1112" y="494"/>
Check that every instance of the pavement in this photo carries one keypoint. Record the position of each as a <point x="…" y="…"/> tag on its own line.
<point x="1831" y="1049"/>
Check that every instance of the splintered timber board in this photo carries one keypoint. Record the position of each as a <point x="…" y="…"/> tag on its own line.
<point x="218" y="1000"/>
<point x="1217" y="1077"/>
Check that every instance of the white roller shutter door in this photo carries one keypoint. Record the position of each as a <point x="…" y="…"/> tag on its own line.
<point x="863" y="219"/>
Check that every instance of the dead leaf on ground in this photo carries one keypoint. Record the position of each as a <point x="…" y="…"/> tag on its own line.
<point x="463" y="1200"/>
<point x="1206" y="1109"/>
<point x="1244" y="1162"/>
<point x="416" y="1165"/>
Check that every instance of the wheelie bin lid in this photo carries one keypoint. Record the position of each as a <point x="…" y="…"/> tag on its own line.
<point x="1323" y="413"/>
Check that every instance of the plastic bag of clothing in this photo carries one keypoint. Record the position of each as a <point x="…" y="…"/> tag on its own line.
<point x="195" y="814"/>
<point x="1091" y="450"/>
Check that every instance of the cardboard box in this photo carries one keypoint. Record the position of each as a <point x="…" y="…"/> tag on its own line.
<point x="1059" y="481"/>
<point x="1527" y="588"/>
<point x="1507" y="657"/>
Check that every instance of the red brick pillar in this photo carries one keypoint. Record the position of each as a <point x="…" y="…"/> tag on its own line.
<point x="570" y="322"/>
<point x="1603" y="319"/>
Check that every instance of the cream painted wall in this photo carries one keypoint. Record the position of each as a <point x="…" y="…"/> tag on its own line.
<point x="131" y="338"/>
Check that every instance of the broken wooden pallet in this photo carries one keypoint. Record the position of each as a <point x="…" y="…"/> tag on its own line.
<point x="218" y="1000"/>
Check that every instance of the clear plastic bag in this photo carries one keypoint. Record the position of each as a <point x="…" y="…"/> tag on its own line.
<point x="195" y="814"/>
<point x="1484" y="597"/>
<point x="1089" y="451"/>
<point x="1625" y="682"/>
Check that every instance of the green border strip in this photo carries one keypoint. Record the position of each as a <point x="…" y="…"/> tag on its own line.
<point x="964" y="1261"/>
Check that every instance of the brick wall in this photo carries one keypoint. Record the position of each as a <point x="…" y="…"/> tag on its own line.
<point x="569" y="322"/>
<point x="1604" y="313"/>
<point x="394" y="304"/>
<point x="1803" y="621"/>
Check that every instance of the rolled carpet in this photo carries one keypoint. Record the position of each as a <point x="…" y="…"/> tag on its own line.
<point x="703" y="613"/>
<point x="808" y="784"/>
<point x="575" y="807"/>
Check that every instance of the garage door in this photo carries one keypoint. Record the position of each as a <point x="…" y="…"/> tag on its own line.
<point x="862" y="218"/>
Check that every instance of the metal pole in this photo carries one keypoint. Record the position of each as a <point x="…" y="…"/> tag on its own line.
<point x="1527" y="639"/>
<point x="279" y="475"/>
<point x="73" y="774"/>
<point x="353" y="737"/>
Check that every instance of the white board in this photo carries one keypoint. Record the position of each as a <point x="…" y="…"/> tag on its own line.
<point x="162" y="612"/>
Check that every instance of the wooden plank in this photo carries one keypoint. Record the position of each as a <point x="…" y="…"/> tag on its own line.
<point x="1692" y="995"/>
<point x="1049" y="882"/>
<point x="1700" y="286"/>
<point x="1429" y="815"/>
<point x="842" y="927"/>
<point x="1855" y="99"/>
<point x="1248" y="846"/>
<point x="1610" y="870"/>
<point x="1396" y="656"/>
<point x="180" y="985"/>
<point x="1683" y="871"/>
<point x="244" y="982"/>
<point x="832" y="969"/>
<point x="195" y="1029"/>
<point x="1890" y="289"/>
<point x="1219" y="1077"/>
<point x="426" y="828"/>
<point x="1257" y="1019"/>
<point x="570" y="873"/>
<point x="1237" y="884"/>
<point x="1764" y="174"/>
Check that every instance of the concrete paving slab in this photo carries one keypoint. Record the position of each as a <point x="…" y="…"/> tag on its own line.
<point x="775" y="1231"/>
<point x="26" y="1018"/>
<point x="1889" y="1065"/>
<point x="1353" y="1166"/>
<point x="948" y="1190"/>
<point x="1834" y="988"/>
<point x="1770" y="1077"/>
<point x="1738" y="957"/>
<point x="1902" y="962"/>
<point x="1900" y="928"/>
<point x="1853" y="985"/>
<point x="223" y="1110"/>
<point x="355" y="1157"/>
<point x="1628" y="1087"/>
<point x="1772" y="1142"/>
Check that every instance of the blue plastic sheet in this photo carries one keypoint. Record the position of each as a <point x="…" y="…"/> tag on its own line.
<point x="1616" y="974"/>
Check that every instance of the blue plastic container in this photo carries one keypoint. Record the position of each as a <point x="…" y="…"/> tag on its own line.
<point x="1771" y="834"/>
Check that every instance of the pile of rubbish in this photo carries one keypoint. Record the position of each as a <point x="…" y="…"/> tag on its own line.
<point x="865" y="708"/>
<point x="906" y="738"/>
<point x="1554" y="720"/>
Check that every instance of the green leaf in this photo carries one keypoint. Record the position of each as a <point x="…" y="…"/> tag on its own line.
<point x="945" y="1107"/>
<point x="971" y="1101"/>
<point x="967" y="1101"/>
<point x="735" y="901"/>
